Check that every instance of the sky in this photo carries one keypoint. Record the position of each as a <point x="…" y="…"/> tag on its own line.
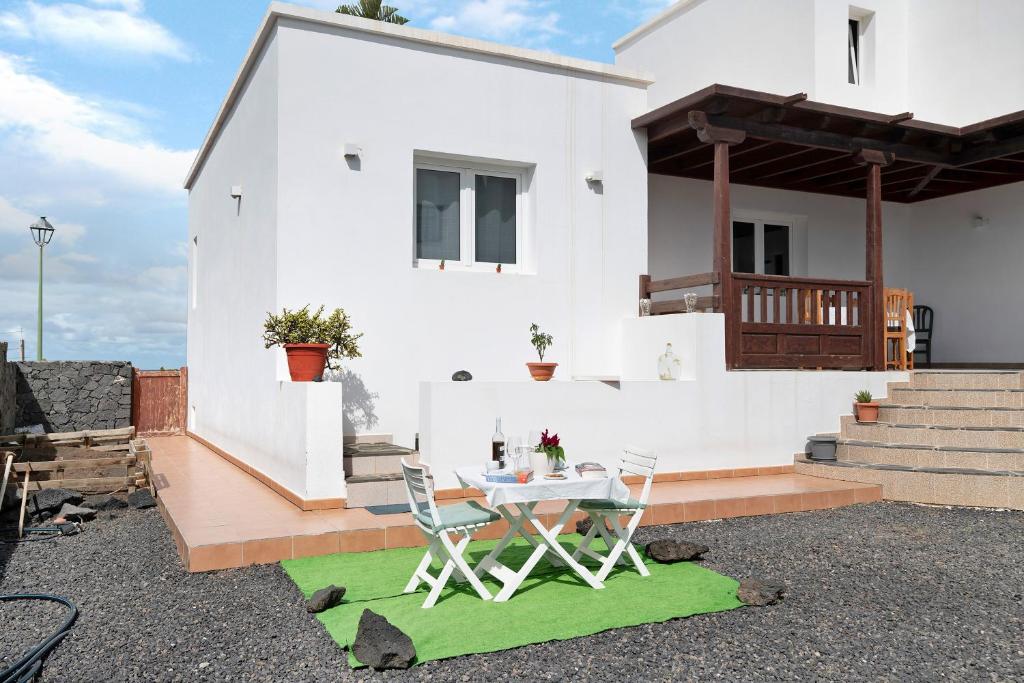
<point x="103" y="104"/>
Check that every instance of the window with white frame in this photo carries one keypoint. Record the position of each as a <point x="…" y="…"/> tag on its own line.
<point x="468" y="215"/>
<point x="762" y="247"/>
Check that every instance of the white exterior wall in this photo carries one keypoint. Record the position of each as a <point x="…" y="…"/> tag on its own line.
<point x="346" y="231"/>
<point x="828" y="241"/>
<point x="289" y="432"/>
<point x="710" y="419"/>
<point x="743" y="43"/>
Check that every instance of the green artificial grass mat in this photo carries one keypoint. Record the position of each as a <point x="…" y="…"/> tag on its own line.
<point x="552" y="604"/>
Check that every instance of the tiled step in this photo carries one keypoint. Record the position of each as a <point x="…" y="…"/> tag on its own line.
<point x="928" y="435"/>
<point x="952" y="416"/>
<point x="951" y="486"/>
<point x="967" y="380"/>
<point x="375" y="489"/>
<point x="376" y="458"/>
<point x="995" y="459"/>
<point x="971" y="398"/>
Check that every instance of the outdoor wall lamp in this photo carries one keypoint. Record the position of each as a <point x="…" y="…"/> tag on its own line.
<point x="236" y="191"/>
<point x="352" y="150"/>
<point x="595" y="177"/>
<point x="42" y="233"/>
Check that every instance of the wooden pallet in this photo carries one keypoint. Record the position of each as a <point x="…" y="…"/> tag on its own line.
<point x="136" y="460"/>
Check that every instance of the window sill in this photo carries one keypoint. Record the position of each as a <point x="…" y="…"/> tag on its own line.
<point x="461" y="268"/>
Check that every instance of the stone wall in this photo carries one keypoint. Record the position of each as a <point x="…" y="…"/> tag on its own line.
<point x="8" y="407"/>
<point x="68" y="396"/>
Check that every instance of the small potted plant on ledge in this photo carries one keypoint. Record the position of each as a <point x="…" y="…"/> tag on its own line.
<point x="542" y="372"/>
<point x="551" y="447"/>
<point x="312" y="342"/>
<point x="865" y="408"/>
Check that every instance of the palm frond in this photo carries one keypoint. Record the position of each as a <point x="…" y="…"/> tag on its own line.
<point x="374" y="9"/>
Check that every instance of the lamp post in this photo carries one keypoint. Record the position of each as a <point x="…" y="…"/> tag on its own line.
<point x="42" y="231"/>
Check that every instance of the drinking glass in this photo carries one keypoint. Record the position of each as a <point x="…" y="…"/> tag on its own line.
<point x="513" y="449"/>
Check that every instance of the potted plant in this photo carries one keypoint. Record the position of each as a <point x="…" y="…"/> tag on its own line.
<point x="551" y="447"/>
<point x="312" y="342"/>
<point x="542" y="372"/>
<point x="441" y="265"/>
<point x="865" y="408"/>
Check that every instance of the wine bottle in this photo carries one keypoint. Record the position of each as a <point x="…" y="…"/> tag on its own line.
<point x="498" y="445"/>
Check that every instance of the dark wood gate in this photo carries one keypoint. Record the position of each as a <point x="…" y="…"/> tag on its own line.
<point x="159" y="400"/>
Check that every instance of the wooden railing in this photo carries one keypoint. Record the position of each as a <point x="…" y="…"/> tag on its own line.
<point x="795" y="322"/>
<point x="648" y="287"/>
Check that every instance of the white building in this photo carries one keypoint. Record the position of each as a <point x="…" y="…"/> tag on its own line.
<point x="580" y="177"/>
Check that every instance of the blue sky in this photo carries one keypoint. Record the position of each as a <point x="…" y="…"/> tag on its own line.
<point x="102" y="105"/>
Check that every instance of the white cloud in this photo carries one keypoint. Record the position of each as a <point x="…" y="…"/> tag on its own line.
<point x="15" y="220"/>
<point x="68" y="129"/>
<point x="527" y="21"/>
<point x="124" y="30"/>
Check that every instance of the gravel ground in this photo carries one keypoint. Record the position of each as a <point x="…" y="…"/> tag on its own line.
<point x="880" y="592"/>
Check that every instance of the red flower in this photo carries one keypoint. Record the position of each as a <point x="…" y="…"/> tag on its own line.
<point x="546" y="440"/>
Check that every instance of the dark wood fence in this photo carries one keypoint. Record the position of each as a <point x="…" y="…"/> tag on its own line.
<point x="159" y="400"/>
<point x="784" y="322"/>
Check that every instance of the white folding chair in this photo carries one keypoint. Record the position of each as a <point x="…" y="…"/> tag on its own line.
<point x="634" y="461"/>
<point x="437" y="524"/>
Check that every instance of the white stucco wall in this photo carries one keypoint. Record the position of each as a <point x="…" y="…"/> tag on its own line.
<point x="971" y="277"/>
<point x="346" y="230"/>
<point x="711" y="419"/>
<point x="954" y="62"/>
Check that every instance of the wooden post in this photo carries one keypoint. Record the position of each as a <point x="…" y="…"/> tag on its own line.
<point x="874" y="161"/>
<point x="721" y="138"/>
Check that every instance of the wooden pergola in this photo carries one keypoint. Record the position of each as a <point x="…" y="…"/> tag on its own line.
<point x="726" y="134"/>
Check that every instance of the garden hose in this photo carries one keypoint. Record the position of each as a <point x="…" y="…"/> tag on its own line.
<point x="30" y="664"/>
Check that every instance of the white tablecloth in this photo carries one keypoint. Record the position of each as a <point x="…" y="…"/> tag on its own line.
<point x="911" y="333"/>
<point x="571" y="488"/>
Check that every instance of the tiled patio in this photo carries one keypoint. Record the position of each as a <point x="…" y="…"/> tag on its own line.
<point x="222" y="517"/>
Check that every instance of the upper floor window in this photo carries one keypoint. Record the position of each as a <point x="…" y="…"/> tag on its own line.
<point x="853" y="52"/>
<point x="469" y="215"/>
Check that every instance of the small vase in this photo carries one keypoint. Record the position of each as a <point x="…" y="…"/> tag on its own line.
<point x="539" y="463"/>
<point x="669" y="365"/>
<point x="690" y="299"/>
<point x="556" y="465"/>
<point x="645" y="308"/>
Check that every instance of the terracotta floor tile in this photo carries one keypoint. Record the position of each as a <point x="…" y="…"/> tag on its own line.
<point x="760" y="505"/>
<point x="730" y="507"/>
<point x="403" y="537"/>
<point x="698" y="511"/>
<point x="788" y="502"/>
<point x="361" y="541"/>
<point x="668" y="513"/>
<point x="316" y="545"/>
<point x="266" y="551"/>
<point x="841" y="498"/>
<point x="210" y="557"/>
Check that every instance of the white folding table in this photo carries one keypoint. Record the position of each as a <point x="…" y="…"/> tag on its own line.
<point x="516" y="502"/>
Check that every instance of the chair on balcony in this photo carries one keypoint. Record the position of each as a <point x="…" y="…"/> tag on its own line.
<point x="899" y="304"/>
<point x="924" y="318"/>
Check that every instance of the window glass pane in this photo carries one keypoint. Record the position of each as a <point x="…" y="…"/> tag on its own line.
<point x="437" y="214"/>
<point x="853" y="52"/>
<point x="776" y="249"/>
<point x="742" y="247"/>
<point x="495" y="219"/>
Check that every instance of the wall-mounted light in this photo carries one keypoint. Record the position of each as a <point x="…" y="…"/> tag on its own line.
<point x="979" y="222"/>
<point x="236" y="191"/>
<point x="595" y="176"/>
<point x="352" y="150"/>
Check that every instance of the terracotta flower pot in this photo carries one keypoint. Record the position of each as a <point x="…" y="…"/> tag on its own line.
<point x="866" y="412"/>
<point x="306" y="362"/>
<point x="542" y="372"/>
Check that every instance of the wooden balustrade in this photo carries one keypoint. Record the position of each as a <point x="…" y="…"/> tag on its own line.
<point x="649" y="287"/>
<point x="796" y="322"/>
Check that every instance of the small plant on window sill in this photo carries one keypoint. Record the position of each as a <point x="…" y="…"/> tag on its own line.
<point x="498" y="269"/>
<point x="441" y="266"/>
<point x="542" y="372"/>
<point x="311" y="341"/>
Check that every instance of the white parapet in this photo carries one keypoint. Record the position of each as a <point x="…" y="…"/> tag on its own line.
<point x="291" y="432"/>
<point x="709" y="419"/>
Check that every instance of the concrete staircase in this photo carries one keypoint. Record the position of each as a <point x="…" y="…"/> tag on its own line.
<point x="945" y="437"/>
<point x="373" y="473"/>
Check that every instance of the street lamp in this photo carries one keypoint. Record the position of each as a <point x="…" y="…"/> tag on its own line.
<point x="42" y="231"/>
